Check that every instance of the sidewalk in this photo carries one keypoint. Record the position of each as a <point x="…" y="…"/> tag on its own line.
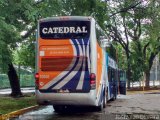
<point x="23" y="90"/>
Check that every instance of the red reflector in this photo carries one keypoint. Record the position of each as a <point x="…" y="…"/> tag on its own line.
<point x="93" y="81"/>
<point x="37" y="80"/>
<point x="92" y="76"/>
<point x="37" y="75"/>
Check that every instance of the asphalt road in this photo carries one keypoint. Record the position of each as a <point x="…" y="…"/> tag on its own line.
<point x="129" y="107"/>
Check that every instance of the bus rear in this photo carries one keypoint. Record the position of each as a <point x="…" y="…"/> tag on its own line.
<point x="63" y="61"/>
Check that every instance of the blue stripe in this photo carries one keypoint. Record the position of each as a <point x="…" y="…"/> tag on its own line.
<point x="72" y="84"/>
<point x="77" y="49"/>
<point x="86" y="40"/>
<point x="107" y="61"/>
<point x="101" y="96"/>
<point x="86" y="82"/>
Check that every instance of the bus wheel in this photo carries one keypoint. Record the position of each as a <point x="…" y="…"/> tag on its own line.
<point x="59" y="108"/>
<point x="114" y="97"/>
<point x="102" y="105"/>
<point x="104" y="100"/>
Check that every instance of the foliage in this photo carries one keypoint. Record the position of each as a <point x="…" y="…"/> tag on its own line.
<point x="25" y="55"/>
<point x="134" y="25"/>
<point x="121" y="57"/>
<point x="7" y="41"/>
<point x="10" y="27"/>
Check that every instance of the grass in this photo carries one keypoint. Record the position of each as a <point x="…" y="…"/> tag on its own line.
<point x="9" y="104"/>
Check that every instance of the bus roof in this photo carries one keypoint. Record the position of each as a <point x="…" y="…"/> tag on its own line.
<point x="63" y="18"/>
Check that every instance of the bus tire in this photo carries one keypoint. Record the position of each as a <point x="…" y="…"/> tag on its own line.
<point x="59" y="108"/>
<point x="101" y="106"/>
<point x="104" y="99"/>
<point x="115" y="96"/>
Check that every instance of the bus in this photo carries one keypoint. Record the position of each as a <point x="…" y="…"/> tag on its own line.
<point x="72" y="65"/>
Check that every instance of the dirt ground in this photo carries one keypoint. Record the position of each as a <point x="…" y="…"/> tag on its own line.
<point x="143" y="103"/>
<point x="137" y="105"/>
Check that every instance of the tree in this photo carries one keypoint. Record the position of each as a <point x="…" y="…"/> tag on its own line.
<point x="7" y="43"/>
<point x="25" y="54"/>
<point x="124" y="26"/>
<point x="149" y="45"/>
<point x="127" y="24"/>
<point x="12" y="22"/>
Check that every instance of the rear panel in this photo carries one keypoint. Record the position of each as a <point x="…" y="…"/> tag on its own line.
<point x="64" y="56"/>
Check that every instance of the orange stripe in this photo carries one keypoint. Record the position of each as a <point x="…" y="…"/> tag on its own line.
<point x="54" y="49"/>
<point x="99" y="66"/>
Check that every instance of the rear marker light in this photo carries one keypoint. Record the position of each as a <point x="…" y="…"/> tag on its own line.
<point x="37" y="80"/>
<point x="93" y="80"/>
<point x="37" y="76"/>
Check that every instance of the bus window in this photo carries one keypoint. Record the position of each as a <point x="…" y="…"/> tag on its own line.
<point x="109" y="74"/>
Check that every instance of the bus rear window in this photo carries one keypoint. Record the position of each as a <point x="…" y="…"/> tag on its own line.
<point x="64" y="29"/>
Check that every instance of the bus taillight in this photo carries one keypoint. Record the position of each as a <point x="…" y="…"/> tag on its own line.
<point x="93" y="80"/>
<point x="37" y="80"/>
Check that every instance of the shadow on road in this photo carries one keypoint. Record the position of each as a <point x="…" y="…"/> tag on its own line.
<point x="69" y="110"/>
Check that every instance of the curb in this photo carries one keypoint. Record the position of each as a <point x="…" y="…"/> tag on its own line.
<point x="142" y="92"/>
<point x="17" y="113"/>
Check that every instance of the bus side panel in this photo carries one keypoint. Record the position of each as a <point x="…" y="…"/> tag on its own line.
<point x="101" y="74"/>
<point x="99" y="67"/>
<point x="107" y="78"/>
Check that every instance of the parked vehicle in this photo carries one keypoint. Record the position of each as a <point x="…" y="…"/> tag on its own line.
<point x="72" y="65"/>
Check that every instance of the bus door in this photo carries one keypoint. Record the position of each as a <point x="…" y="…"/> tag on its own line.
<point x="122" y="82"/>
<point x="110" y="81"/>
<point x="113" y="82"/>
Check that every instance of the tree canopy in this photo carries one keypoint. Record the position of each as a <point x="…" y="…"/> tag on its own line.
<point x="133" y="25"/>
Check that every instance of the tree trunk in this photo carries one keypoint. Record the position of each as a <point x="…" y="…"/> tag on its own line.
<point x="128" y="78"/>
<point x="14" y="81"/>
<point x="147" y="74"/>
<point x="128" y="71"/>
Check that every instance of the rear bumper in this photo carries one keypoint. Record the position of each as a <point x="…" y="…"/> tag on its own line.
<point x="84" y="99"/>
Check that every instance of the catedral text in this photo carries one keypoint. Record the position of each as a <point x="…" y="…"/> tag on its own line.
<point x="51" y="30"/>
